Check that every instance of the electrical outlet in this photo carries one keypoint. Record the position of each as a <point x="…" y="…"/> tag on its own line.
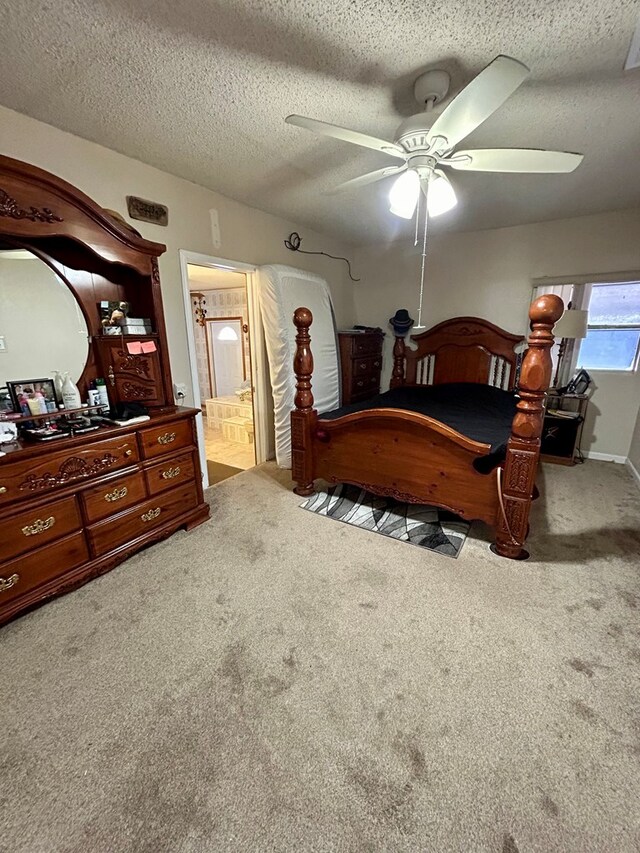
<point x="180" y="391"/>
<point x="3" y="344"/>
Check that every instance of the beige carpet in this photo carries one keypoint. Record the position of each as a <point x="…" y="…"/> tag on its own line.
<point x="273" y="681"/>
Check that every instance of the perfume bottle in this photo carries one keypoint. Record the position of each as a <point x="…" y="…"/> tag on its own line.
<point x="57" y="384"/>
<point x="103" y="396"/>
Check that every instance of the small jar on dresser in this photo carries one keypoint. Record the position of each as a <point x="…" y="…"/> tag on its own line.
<point x="360" y="363"/>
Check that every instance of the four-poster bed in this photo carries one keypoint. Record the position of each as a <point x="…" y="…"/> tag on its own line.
<point x="414" y="457"/>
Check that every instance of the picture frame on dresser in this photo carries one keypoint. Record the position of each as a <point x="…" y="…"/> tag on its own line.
<point x="18" y="387"/>
<point x="76" y="507"/>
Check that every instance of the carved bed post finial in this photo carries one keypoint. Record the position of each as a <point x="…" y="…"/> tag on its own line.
<point x="303" y="360"/>
<point x="397" y="375"/>
<point x="517" y="481"/>
<point x="304" y="416"/>
<point x="401" y="322"/>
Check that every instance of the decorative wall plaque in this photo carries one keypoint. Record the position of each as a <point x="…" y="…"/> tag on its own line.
<point x="147" y="211"/>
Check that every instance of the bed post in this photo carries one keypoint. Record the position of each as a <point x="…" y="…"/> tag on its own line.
<point x="397" y="376"/>
<point x="516" y="482"/>
<point x="304" y="416"/>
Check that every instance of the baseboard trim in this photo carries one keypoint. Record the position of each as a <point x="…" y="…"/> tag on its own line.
<point x="634" y="471"/>
<point x="606" y="457"/>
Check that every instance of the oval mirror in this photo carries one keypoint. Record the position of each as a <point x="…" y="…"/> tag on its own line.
<point x="42" y="327"/>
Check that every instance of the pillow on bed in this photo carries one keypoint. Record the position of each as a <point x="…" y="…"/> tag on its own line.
<point x="282" y="290"/>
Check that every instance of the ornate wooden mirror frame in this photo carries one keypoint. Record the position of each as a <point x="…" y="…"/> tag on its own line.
<point x="98" y="257"/>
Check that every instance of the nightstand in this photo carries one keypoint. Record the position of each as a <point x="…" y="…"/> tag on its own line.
<point x="360" y="364"/>
<point x="562" y="429"/>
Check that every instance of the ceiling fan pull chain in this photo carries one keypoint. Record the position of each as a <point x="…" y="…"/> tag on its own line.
<point x="424" y="257"/>
<point x="415" y="237"/>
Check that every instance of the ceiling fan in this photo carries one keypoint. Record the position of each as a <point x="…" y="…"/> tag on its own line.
<point x="424" y="145"/>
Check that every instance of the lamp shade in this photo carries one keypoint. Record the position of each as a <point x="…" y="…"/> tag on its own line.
<point x="441" y="196"/>
<point x="404" y="193"/>
<point x="572" y="324"/>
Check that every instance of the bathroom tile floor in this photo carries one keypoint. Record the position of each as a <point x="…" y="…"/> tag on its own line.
<point x="219" y="449"/>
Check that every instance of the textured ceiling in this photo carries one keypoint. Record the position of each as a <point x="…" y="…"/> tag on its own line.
<point x="200" y="88"/>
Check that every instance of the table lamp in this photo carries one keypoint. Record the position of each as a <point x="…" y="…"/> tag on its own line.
<point x="571" y="326"/>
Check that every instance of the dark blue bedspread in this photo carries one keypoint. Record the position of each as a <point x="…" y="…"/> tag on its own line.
<point x="481" y="412"/>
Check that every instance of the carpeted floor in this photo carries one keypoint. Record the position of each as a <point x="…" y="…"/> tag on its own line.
<point x="273" y="681"/>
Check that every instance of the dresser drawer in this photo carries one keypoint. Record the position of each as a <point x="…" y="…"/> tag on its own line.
<point x="19" y="480"/>
<point x="41" y="565"/>
<point x="170" y="473"/>
<point x="367" y="366"/>
<point x="362" y="384"/>
<point x="366" y="345"/>
<point x="166" y="439"/>
<point x="113" y="496"/>
<point x="34" y="527"/>
<point x="129" y="525"/>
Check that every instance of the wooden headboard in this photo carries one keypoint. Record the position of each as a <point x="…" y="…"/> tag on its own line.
<point x="464" y="349"/>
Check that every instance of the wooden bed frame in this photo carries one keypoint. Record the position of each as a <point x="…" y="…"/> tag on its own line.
<point x="417" y="459"/>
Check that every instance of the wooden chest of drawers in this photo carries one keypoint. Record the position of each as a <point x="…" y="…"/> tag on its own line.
<point x="74" y="510"/>
<point x="360" y="364"/>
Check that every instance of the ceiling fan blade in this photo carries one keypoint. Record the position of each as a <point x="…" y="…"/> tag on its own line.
<point x="514" y="160"/>
<point x="369" y="178"/>
<point x="346" y="135"/>
<point x="477" y="101"/>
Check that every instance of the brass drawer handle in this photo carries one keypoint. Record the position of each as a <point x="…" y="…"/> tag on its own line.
<point x="3" y="490"/>
<point x="7" y="583"/>
<point x="39" y="526"/>
<point x="166" y="438"/>
<point x="149" y="516"/>
<point x="170" y="473"/>
<point x="117" y="494"/>
<point x="128" y="453"/>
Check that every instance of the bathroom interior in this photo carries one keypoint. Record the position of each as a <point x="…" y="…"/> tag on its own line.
<point x="221" y="329"/>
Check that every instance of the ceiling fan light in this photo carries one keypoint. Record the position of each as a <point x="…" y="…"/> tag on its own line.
<point x="403" y="195"/>
<point x="441" y="196"/>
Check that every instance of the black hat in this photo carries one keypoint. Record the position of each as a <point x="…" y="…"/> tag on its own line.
<point x="401" y="322"/>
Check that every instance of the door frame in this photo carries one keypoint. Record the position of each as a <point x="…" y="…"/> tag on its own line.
<point x="259" y="365"/>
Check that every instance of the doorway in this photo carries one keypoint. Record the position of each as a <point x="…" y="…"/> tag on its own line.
<point x="226" y="368"/>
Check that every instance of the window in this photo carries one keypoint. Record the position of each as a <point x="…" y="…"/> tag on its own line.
<point x="613" y="336"/>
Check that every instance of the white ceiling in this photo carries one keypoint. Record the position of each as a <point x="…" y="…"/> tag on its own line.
<point x="200" y="88"/>
<point x="210" y="278"/>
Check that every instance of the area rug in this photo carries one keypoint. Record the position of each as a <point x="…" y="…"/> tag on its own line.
<point x="418" y="524"/>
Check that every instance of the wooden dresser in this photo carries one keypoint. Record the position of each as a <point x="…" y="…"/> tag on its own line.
<point x="75" y="506"/>
<point x="72" y="512"/>
<point x="360" y="364"/>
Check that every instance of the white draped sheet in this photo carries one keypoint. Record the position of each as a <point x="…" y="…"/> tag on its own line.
<point x="282" y="290"/>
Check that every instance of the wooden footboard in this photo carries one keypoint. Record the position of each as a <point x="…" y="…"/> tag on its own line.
<point x="417" y="459"/>
<point x="408" y="456"/>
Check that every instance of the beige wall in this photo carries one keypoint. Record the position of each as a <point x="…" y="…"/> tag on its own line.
<point x="247" y="235"/>
<point x="490" y="273"/>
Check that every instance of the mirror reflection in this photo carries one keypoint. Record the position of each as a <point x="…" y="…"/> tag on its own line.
<point x="42" y="328"/>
